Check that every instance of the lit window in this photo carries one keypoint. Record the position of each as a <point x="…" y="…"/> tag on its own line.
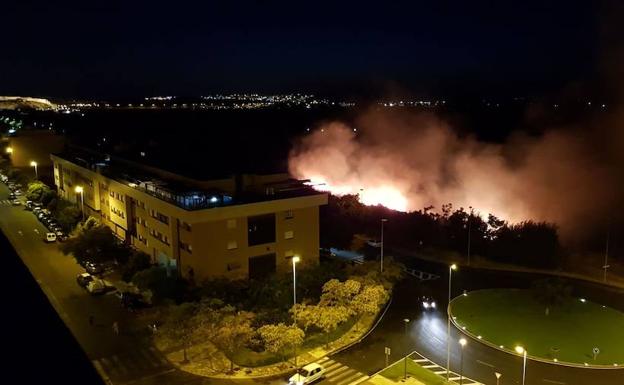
<point x="231" y="223"/>
<point x="232" y="245"/>
<point x="289" y="235"/>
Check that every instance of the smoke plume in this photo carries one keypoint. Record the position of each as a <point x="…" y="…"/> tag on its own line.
<point x="408" y="161"/>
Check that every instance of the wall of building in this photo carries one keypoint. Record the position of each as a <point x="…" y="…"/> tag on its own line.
<point x="202" y="243"/>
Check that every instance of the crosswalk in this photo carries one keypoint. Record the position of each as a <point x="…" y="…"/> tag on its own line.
<point x="6" y="202"/>
<point x="339" y="374"/>
<point x="441" y="371"/>
<point x="131" y="364"/>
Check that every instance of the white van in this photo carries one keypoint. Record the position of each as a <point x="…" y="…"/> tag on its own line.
<point x="50" y="237"/>
<point x="307" y="374"/>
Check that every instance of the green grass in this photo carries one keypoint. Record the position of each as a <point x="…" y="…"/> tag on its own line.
<point x="513" y="317"/>
<point x="396" y="372"/>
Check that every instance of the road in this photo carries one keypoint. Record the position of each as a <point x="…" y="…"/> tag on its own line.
<point x="130" y="359"/>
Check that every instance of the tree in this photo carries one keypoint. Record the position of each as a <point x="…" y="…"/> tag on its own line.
<point x="68" y="216"/>
<point x="234" y="331"/>
<point x="281" y="338"/>
<point x="551" y="292"/>
<point x="181" y="325"/>
<point x="336" y="293"/>
<point x="368" y="300"/>
<point x="36" y="191"/>
<point x="162" y="284"/>
<point x="137" y="261"/>
<point x="97" y="244"/>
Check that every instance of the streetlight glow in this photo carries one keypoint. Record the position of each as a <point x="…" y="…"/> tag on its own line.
<point x="463" y="342"/>
<point x="519" y="349"/>
<point x="295" y="259"/>
<point x="33" y="163"/>
<point x="453" y="267"/>
<point x="9" y="150"/>
<point x="78" y="189"/>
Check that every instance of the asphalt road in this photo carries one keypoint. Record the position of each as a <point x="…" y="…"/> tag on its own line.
<point x="130" y="359"/>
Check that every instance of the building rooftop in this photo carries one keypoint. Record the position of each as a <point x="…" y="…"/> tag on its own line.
<point x="186" y="193"/>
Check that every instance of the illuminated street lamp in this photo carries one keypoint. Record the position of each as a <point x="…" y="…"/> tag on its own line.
<point x="34" y="164"/>
<point x="80" y="190"/>
<point x="383" y="220"/>
<point x="9" y="150"/>
<point x="448" y="322"/>
<point x="295" y="260"/>
<point x="462" y="343"/>
<point x="521" y="350"/>
<point x="498" y="376"/>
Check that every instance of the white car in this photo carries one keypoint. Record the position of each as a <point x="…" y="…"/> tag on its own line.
<point x="307" y="375"/>
<point x="50" y="237"/>
<point x="96" y="286"/>
<point x="16" y="202"/>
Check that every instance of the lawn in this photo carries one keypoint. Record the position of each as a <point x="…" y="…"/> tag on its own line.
<point x="396" y="372"/>
<point x="510" y="317"/>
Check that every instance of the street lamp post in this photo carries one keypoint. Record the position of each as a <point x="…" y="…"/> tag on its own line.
<point x="405" y="321"/>
<point x="80" y="190"/>
<point x="448" y="323"/>
<point x="469" y="233"/>
<point x="606" y="262"/>
<point x="34" y="164"/>
<point x="498" y="376"/>
<point x="295" y="260"/>
<point x="521" y="350"/>
<point x="383" y="220"/>
<point x="462" y="343"/>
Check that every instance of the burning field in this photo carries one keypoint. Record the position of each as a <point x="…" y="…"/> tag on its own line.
<point x="407" y="162"/>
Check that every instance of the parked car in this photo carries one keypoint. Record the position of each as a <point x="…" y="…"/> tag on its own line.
<point x="84" y="279"/>
<point x="307" y="374"/>
<point x="16" y="202"/>
<point x="96" y="286"/>
<point x="12" y="196"/>
<point x="61" y="238"/>
<point x="50" y="237"/>
<point x="131" y="300"/>
<point x="17" y="192"/>
<point x="38" y="204"/>
<point x="94" y="268"/>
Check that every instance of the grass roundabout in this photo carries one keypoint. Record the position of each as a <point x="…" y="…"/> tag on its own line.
<point x="506" y="318"/>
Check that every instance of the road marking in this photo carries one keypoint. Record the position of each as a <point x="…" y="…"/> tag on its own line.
<point x="421" y="360"/>
<point x="485" y="363"/>
<point x="440" y="372"/>
<point x="359" y="380"/>
<point x="553" y="381"/>
<point x="350" y="379"/>
<point x="431" y="366"/>
<point x="333" y="374"/>
<point x="344" y="375"/>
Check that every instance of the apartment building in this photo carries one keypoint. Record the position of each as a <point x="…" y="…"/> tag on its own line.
<point x="244" y="226"/>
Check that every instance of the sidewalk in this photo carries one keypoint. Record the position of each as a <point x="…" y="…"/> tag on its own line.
<point x="208" y="361"/>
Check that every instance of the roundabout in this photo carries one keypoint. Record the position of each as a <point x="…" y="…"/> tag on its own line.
<point x="575" y="332"/>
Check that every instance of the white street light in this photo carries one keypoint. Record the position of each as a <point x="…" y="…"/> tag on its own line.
<point x="521" y="350"/>
<point x="462" y="343"/>
<point x="295" y="260"/>
<point x="383" y="220"/>
<point x="9" y="150"/>
<point x="448" y="323"/>
<point x="498" y="376"/>
<point x="34" y="164"/>
<point x="80" y="190"/>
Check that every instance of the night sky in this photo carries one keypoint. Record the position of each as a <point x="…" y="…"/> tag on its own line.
<point x="135" y="48"/>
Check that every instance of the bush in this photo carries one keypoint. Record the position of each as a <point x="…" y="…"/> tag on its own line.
<point x="138" y="261"/>
<point x="162" y="284"/>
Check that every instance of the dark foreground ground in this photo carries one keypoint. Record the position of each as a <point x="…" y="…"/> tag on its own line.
<point x="37" y="347"/>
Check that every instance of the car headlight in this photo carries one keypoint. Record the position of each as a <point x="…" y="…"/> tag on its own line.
<point x="433" y="305"/>
<point x="426" y="305"/>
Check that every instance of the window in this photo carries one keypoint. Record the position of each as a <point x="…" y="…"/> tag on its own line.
<point x="261" y="229"/>
<point x="232" y="245"/>
<point x="289" y="253"/>
<point x="186" y="226"/>
<point x="289" y="214"/>
<point x="233" y="266"/>
<point x="231" y="224"/>
<point x="186" y="247"/>
<point x="289" y="235"/>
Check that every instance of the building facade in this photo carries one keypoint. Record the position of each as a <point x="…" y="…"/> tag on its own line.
<point x="245" y="226"/>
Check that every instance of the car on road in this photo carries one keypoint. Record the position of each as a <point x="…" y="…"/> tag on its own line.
<point x="16" y="202"/>
<point x="307" y="375"/>
<point x="96" y="286"/>
<point x="50" y="237"/>
<point x="427" y="302"/>
<point x="94" y="268"/>
<point x="84" y="279"/>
